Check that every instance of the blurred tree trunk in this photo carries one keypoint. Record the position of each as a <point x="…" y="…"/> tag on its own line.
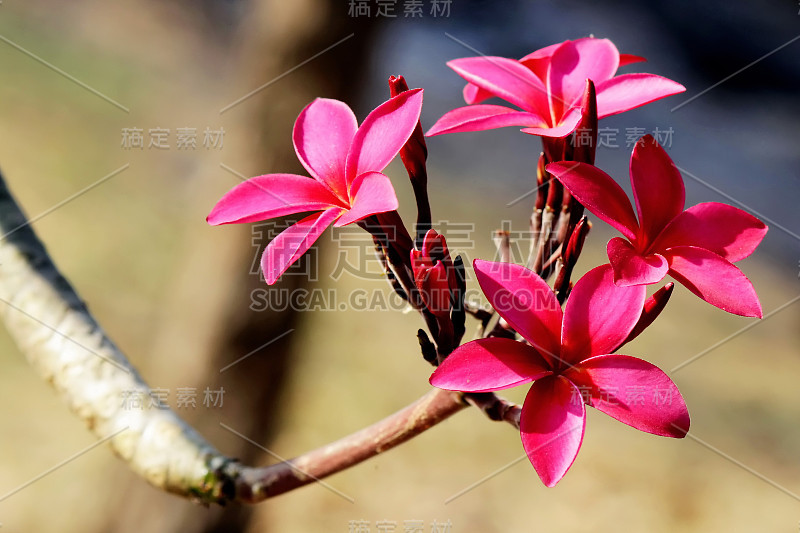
<point x="269" y="38"/>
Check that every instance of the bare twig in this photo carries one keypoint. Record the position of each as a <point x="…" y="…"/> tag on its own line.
<point x="544" y="239"/>
<point x="502" y="240"/>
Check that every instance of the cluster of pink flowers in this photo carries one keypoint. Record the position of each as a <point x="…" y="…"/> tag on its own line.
<point x="563" y="353"/>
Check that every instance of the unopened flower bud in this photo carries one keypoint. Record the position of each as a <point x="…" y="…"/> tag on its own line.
<point x="652" y="308"/>
<point x="585" y="136"/>
<point x="414" y="155"/>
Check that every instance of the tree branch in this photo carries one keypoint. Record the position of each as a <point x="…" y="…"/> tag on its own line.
<point x="62" y="341"/>
<point x="253" y="485"/>
<point x="55" y="331"/>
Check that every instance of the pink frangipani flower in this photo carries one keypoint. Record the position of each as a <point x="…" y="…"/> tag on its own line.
<point x="346" y="185"/>
<point x="547" y="85"/>
<point x="568" y="358"/>
<point x="696" y="247"/>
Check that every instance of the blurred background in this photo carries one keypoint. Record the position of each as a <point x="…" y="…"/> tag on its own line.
<point x="122" y="123"/>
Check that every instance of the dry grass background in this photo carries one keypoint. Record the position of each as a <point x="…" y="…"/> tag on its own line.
<point x="138" y="250"/>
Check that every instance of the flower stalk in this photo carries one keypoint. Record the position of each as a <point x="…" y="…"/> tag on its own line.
<point x="414" y="155"/>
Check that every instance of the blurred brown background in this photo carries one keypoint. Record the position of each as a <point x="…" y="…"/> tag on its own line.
<point x="183" y="301"/>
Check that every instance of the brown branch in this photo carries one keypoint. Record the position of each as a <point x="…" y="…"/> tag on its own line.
<point x="253" y="485"/>
<point x="495" y="407"/>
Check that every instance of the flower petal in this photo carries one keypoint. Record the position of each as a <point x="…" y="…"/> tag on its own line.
<point x="713" y="279"/>
<point x="507" y="78"/>
<point x="634" y="392"/>
<point x="539" y="61"/>
<point x="547" y="51"/>
<point x="657" y="187"/>
<point x="573" y="63"/>
<point x="599" y="193"/>
<point x="269" y="196"/>
<point x="293" y="242"/>
<point x="629" y="91"/>
<point x="567" y="125"/>
<point x="721" y="228"/>
<point x="487" y="365"/>
<point x="475" y="95"/>
<point x="631" y="268"/>
<point x="383" y="133"/>
<point x="322" y="136"/>
<point x="599" y="315"/>
<point x="372" y="193"/>
<point x="525" y="301"/>
<point x="483" y="117"/>
<point x="552" y="424"/>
